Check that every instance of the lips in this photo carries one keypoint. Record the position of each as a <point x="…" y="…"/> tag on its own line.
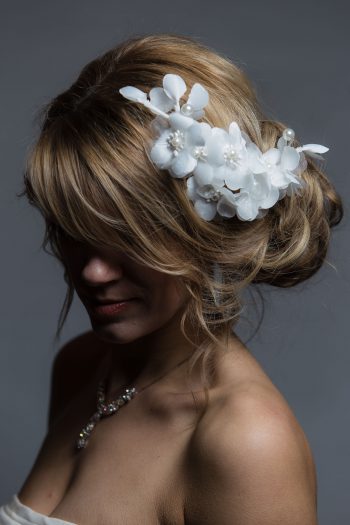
<point x="110" y="301"/>
<point x="95" y="301"/>
<point x="106" y="312"/>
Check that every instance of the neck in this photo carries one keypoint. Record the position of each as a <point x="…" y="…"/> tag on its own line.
<point x="143" y="361"/>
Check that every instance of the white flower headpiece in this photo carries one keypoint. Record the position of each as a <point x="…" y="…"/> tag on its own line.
<point x="219" y="162"/>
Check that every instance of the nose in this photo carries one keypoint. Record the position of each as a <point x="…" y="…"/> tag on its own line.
<point x="99" y="270"/>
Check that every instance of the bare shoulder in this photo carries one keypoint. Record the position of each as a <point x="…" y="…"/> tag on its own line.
<point x="74" y="364"/>
<point x="250" y="461"/>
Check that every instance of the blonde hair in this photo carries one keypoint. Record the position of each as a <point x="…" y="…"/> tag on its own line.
<point x="90" y="176"/>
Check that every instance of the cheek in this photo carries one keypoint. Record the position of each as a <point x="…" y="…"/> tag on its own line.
<point x="169" y="295"/>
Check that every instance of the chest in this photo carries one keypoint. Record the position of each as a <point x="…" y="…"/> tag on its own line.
<point x="131" y="471"/>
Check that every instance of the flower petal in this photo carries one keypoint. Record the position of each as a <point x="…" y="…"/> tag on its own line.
<point x="133" y="93"/>
<point x="199" y="97"/>
<point x="215" y="144"/>
<point x="228" y="194"/>
<point x="161" y="155"/>
<point x="203" y="173"/>
<point x="270" y="199"/>
<point x="315" y="148"/>
<point x="260" y="187"/>
<point x="192" y="188"/>
<point x="217" y="181"/>
<point x="206" y="130"/>
<point x="206" y="210"/>
<point x="198" y="114"/>
<point x="289" y="158"/>
<point x="235" y="134"/>
<point x="255" y="159"/>
<point x="278" y="177"/>
<point x="272" y="156"/>
<point x="246" y="208"/>
<point x="174" y="86"/>
<point x="226" y="208"/>
<point x="183" y="164"/>
<point x="235" y="179"/>
<point x="195" y="135"/>
<point x="223" y="172"/>
<point x="302" y="164"/>
<point x="160" y="99"/>
<point x="261" y="214"/>
<point x="159" y="125"/>
<point x="220" y="135"/>
<point x="294" y="188"/>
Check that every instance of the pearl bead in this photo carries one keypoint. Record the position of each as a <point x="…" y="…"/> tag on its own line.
<point x="176" y="140"/>
<point x="231" y="155"/>
<point x="288" y="134"/>
<point x="199" y="152"/>
<point x="186" y="109"/>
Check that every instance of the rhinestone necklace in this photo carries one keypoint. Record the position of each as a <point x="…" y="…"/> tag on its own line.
<point x="108" y="409"/>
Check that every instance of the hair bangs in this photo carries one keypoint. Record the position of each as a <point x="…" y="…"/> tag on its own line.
<point x="95" y="191"/>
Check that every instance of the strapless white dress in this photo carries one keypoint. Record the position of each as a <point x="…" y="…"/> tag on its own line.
<point x="16" y="513"/>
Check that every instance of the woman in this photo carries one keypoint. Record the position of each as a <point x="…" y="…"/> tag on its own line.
<point x="137" y="212"/>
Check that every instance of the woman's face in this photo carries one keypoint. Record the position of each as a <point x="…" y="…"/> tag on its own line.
<point x="103" y="274"/>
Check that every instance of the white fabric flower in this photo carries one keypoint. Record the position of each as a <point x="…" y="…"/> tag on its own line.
<point x="136" y="95"/>
<point x="205" y="197"/>
<point x="177" y="147"/>
<point x="162" y="100"/>
<point x="204" y="172"/>
<point x="220" y="162"/>
<point x="258" y="193"/>
<point x="278" y="163"/>
<point x="197" y="100"/>
<point x="227" y="151"/>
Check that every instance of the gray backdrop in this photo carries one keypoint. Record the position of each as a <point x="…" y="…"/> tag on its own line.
<point x="295" y="54"/>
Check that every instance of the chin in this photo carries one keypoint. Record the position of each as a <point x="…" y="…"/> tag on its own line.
<point x="110" y="333"/>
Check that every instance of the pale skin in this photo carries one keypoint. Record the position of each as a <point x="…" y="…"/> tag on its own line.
<point x="246" y="462"/>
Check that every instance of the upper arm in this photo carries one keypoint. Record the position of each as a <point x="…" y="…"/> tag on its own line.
<point x="73" y="364"/>
<point x="255" y="468"/>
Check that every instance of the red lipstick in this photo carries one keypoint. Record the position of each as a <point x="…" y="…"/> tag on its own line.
<point x="107" y="311"/>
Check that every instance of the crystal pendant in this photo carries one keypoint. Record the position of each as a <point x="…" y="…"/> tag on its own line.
<point x="103" y="410"/>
